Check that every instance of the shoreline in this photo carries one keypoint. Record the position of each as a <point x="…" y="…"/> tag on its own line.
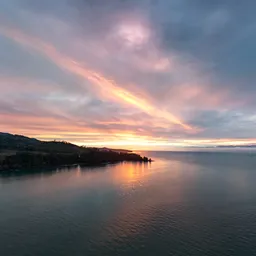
<point x="20" y="152"/>
<point x="30" y="160"/>
<point x="55" y="168"/>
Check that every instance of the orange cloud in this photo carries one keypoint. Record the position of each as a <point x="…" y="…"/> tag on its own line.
<point x="107" y="87"/>
<point x="50" y="128"/>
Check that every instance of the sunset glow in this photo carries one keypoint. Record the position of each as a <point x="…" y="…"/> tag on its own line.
<point x="125" y="78"/>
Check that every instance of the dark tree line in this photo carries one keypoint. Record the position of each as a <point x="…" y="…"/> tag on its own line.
<point x="34" y="153"/>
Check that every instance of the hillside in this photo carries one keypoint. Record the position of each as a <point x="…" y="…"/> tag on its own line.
<point x="17" y="152"/>
<point x="22" y="143"/>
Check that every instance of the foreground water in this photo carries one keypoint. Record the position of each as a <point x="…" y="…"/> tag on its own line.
<point x="182" y="204"/>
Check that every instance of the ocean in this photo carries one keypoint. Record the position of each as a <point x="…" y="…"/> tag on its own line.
<point x="182" y="204"/>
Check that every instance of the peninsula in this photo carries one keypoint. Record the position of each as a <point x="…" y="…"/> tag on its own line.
<point x="19" y="152"/>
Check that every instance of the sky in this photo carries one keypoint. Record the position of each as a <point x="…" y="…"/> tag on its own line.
<point x="139" y="74"/>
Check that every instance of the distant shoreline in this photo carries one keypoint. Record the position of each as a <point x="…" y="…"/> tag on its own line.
<point x="54" y="168"/>
<point x="28" y="160"/>
<point x="20" y="152"/>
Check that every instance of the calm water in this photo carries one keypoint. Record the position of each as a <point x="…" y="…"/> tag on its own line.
<point x="182" y="204"/>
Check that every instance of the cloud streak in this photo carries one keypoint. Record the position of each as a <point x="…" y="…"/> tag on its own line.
<point x="107" y="86"/>
<point x="158" y="73"/>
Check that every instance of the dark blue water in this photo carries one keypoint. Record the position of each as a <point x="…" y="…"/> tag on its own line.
<point x="183" y="204"/>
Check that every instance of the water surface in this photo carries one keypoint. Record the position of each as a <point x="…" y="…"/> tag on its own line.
<point x="181" y="204"/>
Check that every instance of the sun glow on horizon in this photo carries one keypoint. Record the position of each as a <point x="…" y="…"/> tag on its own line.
<point x="136" y="142"/>
<point x="117" y="87"/>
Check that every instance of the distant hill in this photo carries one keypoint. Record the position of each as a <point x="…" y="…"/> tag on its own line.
<point x="18" y="152"/>
<point x="21" y="143"/>
<point x="115" y="150"/>
<point x="238" y="146"/>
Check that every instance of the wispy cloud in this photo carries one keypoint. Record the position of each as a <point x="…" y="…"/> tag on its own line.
<point x="108" y="87"/>
<point x="157" y="74"/>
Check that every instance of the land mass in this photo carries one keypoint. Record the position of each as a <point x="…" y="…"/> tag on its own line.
<point x="19" y="152"/>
